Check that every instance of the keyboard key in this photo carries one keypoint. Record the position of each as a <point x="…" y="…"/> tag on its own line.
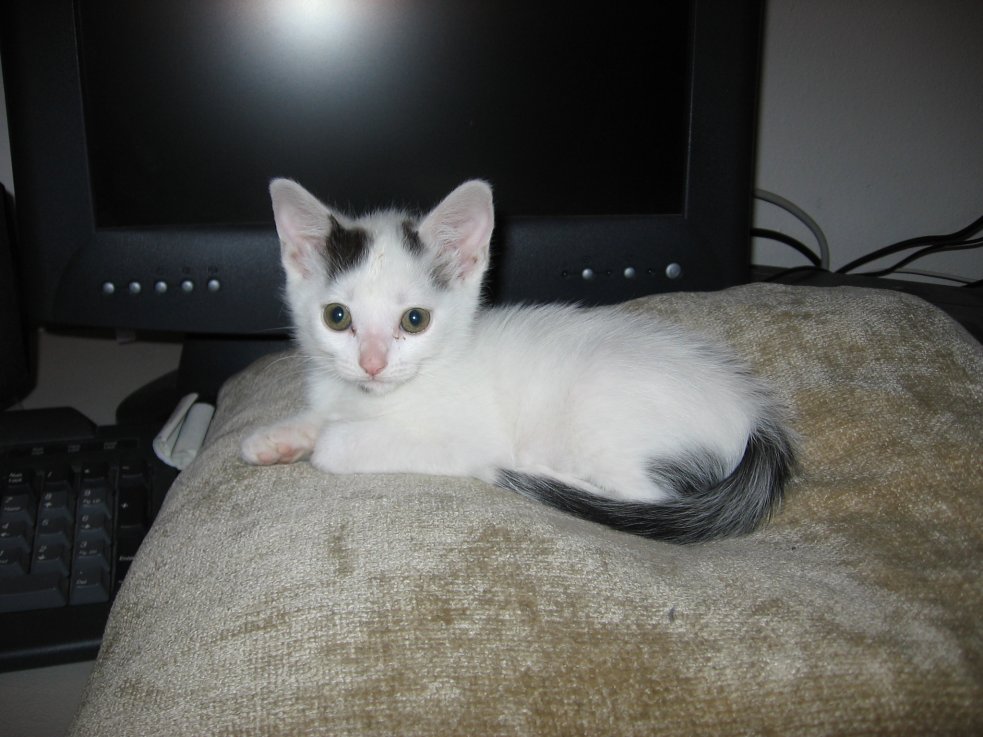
<point x="59" y="478"/>
<point x="36" y="591"/>
<point x="90" y="585"/>
<point x="95" y="499"/>
<point x="19" y="480"/>
<point x="56" y="503"/>
<point x="54" y="530"/>
<point x="128" y="542"/>
<point x="50" y="558"/>
<point x="15" y="560"/>
<point x="94" y="526"/>
<point x="18" y="506"/>
<point x="90" y="554"/>
<point x="133" y="472"/>
<point x="95" y="473"/>
<point x="122" y="568"/>
<point x="36" y="452"/>
<point x="132" y="505"/>
<point x="16" y="533"/>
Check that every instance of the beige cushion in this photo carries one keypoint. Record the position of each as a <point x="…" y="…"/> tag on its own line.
<point x="281" y="601"/>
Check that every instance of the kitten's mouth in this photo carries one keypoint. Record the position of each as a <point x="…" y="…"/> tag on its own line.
<point x="382" y="383"/>
<point x="376" y="386"/>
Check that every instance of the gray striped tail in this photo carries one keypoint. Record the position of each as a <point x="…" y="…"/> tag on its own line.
<point x="707" y="505"/>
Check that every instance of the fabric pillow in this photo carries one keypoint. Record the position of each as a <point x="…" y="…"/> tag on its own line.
<point x="282" y="601"/>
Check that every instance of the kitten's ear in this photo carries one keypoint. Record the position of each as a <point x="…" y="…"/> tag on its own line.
<point x="459" y="232"/>
<point x="302" y="223"/>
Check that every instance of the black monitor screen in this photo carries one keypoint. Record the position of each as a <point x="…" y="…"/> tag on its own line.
<point x="617" y="138"/>
<point x="192" y="106"/>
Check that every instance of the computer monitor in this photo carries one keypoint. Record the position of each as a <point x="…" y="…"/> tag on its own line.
<point x="618" y="140"/>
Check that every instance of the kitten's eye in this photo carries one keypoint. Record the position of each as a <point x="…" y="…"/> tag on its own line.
<point x="415" y="320"/>
<point x="337" y="317"/>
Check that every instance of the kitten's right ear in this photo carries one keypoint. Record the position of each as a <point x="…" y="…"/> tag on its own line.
<point x="459" y="231"/>
<point x="302" y="222"/>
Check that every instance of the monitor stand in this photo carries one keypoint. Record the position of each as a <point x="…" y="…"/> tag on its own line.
<point x="206" y="363"/>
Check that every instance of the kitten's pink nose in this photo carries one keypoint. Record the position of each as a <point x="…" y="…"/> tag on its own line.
<point x="372" y="359"/>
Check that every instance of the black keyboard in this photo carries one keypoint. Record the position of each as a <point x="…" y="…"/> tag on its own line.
<point x="75" y="503"/>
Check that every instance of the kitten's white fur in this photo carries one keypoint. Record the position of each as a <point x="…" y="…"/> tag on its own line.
<point x="588" y="399"/>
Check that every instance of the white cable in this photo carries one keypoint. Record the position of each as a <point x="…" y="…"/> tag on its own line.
<point x="803" y="216"/>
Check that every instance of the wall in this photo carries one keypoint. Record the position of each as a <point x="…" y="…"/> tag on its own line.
<point x="871" y="119"/>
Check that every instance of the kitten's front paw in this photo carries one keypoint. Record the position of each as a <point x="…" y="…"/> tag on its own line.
<point x="278" y="444"/>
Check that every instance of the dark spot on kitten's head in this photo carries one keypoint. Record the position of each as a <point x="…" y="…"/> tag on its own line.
<point x="441" y="275"/>
<point x="346" y="247"/>
<point x="440" y="271"/>
<point x="411" y="238"/>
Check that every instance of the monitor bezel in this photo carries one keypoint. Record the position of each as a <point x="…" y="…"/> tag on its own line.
<point x="227" y="280"/>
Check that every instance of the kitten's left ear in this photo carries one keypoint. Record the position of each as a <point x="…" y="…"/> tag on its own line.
<point x="459" y="231"/>
<point x="302" y="223"/>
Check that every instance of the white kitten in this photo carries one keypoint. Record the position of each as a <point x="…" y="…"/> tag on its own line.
<point x="599" y="412"/>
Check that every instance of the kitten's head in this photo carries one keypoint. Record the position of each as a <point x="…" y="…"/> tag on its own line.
<point x="377" y="299"/>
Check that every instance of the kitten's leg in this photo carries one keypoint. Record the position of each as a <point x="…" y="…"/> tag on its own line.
<point x="381" y="447"/>
<point x="285" y="442"/>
